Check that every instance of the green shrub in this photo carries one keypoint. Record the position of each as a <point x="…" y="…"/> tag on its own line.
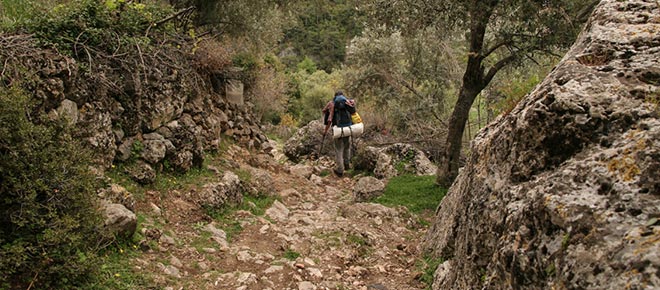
<point x="83" y="27"/>
<point x="417" y="193"/>
<point x="47" y="211"/>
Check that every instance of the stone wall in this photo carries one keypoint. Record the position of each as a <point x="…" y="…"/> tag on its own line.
<point x="159" y="114"/>
<point x="564" y="192"/>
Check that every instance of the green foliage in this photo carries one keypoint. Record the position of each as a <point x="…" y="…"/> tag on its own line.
<point x="291" y="255"/>
<point x="322" y="31"/>
<point x="48" y="219"/>
<point x="405" y="82"/>
<point x="417" y="193"/>
<point x="314" y="91"/>
<point x="260" y="22"/>
<point x="402" y="166"/>
<point x="307" y="65"/>
<point x="85" y="26"/>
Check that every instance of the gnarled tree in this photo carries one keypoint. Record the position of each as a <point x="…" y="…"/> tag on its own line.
<point x="498" y="33"/>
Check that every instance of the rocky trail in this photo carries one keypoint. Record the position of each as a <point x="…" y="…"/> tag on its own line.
<point x="313" y="236"/>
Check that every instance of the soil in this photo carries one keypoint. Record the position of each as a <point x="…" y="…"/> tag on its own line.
<point x="324" y="241"/>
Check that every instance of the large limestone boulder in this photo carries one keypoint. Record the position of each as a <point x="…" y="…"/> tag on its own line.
<point x="119" y="221"/>
<point x="367" y="188"/>
<point x="564" y="192"/>
<point x="220" y="194"/>
<point x="307" y="142"/>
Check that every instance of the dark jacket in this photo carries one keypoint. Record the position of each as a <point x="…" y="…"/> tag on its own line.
<point x="338" y="111"/>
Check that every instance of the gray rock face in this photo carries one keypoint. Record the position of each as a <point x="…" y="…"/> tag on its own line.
<point x="119" y="221"/>
<point x="219" y="194"/>
<point x="564" y="191"/>
<point x="367" y="188"/>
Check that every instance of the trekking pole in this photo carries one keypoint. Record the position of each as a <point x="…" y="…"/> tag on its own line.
<point x="325" y="132"/>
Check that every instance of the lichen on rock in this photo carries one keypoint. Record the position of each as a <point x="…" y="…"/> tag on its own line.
<point x="563" y="191"/>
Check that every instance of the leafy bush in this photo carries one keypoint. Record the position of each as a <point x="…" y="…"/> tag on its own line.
<point x="18" y="13"/>
<point x="84" y="26"/>
<point x="47" y="211"/>
<point x="314" y="91"/>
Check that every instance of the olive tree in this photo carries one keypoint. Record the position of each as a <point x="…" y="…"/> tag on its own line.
<point x="497" y="34"/>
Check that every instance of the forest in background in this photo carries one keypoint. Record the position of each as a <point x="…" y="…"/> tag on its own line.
<point x="403" y="65"/>
<point x="404" y="61"/>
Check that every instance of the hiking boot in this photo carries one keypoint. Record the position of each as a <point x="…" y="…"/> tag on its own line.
<point x="338" y="173"/>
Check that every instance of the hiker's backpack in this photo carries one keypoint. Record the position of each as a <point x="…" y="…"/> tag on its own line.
<point x="342" y="112"/>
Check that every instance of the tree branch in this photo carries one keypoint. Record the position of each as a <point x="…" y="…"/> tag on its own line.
<point x="495" y="47"/>
<point x="497" y="67"/>
<point x="168" y="18"/>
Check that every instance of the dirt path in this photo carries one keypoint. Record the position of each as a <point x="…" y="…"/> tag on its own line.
<point x="313" y="237"/>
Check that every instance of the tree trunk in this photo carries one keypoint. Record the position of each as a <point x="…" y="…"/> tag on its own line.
<point x="474" y="80"/>
<point x="448" y="168"/>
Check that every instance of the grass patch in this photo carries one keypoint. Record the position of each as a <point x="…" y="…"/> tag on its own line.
<point x="427" y="266"/>
<point x="165" y="181"/>
<point x="117" y="272"/>
<point x="417" y="193"/>
<point x="291" y="255"/>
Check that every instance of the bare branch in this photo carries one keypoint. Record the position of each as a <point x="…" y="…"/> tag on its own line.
<point x="168" y="18"/>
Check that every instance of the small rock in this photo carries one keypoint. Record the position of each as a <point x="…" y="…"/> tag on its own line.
<point x="289" y="192"/>
<point x="155" y="209"/>
<point x="306" y="285"/>
<point x="172" y="271"/>
<point x="166" y="240"/>
<point x="174" y="261"/>
<point x="299" y="265"/>
<point x="315" y="272"/>
<point x="278" y="211"/>
<point x="247" y="278"/>
<point x="273" y="269"/>
<point x="244" y="256"/>
<point x="316" y="179"/>
<point x="309" y="261"/>
<point x="301" y="170"/>
<point x="209" y="250"/>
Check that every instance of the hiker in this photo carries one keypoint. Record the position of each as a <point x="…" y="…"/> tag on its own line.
<point x="338" y="113"/>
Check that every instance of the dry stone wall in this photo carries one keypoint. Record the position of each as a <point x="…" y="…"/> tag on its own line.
<point x="161" y="114"/>
<point x="564" y="192"/>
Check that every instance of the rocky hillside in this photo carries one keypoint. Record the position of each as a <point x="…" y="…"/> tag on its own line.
<point x="564" y="192"/>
